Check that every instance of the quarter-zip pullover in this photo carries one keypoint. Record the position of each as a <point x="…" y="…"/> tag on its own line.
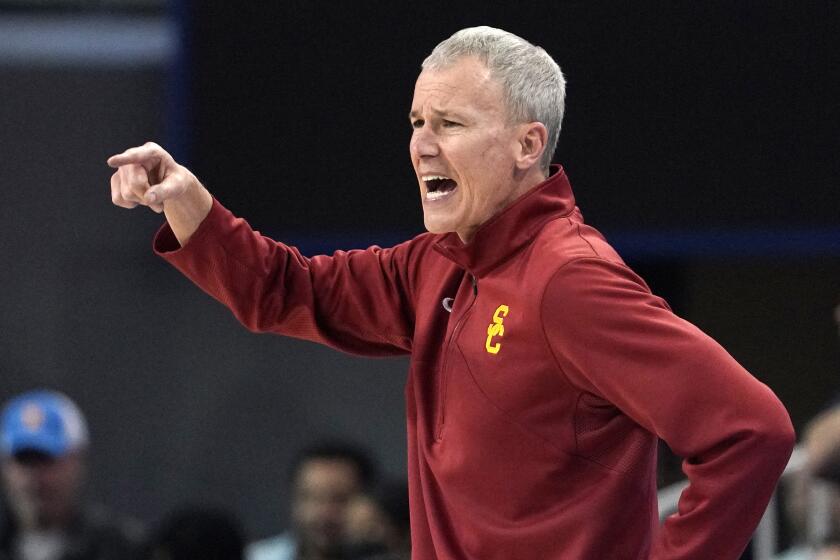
<point x="542" y="371"/>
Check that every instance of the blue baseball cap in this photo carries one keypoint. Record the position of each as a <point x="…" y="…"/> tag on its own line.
<point x="43" y="421"/>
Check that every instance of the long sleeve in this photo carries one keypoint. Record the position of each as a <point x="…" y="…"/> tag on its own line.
<point x="356" y="301"/>
<point x="613" y="339"/>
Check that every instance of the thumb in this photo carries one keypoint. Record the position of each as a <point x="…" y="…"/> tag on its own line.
<point x="171" y="187"/>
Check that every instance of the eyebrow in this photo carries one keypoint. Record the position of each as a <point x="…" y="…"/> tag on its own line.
<point x="437" y="112"/>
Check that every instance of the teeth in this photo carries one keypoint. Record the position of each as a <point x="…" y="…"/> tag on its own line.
<point x="437" y="194"/>
<point x="433" y="177"/>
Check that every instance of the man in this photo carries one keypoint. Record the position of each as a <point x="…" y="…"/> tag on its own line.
<point x="818" y="482"/>
<point x="324" y="479"/>
<point x="44" y="444"/>
<point x="822" y="438"/>
<point x="542" y="370"/>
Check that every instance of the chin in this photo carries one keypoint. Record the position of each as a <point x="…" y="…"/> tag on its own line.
<point x="437" y="226"/>
<point x="438" y="230"/>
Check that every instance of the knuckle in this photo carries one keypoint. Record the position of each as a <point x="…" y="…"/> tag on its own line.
<point x="137" y="179"/>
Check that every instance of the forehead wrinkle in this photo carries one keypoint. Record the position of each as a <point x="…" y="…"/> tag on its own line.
<point x="440" y="93"/>
<point x="464" y="87"/>
<point x="458" y="101"/>
<point x="434" y="110"/>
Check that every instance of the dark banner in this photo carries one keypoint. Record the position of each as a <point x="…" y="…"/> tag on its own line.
<point x="698" y="116"/>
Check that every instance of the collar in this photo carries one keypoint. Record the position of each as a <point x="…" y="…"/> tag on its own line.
<point x="512" y="228"/>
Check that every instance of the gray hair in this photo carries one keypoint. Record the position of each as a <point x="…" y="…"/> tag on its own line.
<point x="533" y="85"/>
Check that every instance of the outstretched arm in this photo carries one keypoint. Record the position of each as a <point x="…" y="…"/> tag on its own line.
<point x="356" y="301"/>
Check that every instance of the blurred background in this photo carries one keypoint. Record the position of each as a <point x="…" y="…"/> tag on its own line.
<point x="701" y="138"/>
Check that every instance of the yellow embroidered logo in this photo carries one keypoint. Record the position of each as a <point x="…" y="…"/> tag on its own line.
<point x="496" y="328"/>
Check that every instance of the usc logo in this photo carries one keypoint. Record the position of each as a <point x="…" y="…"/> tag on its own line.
<point x="496" y="328"/>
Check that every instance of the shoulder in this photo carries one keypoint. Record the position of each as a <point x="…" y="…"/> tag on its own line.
<point x="593" y="292"/>
<point x="567" y="239"/>
<point x="418" y="246"/>
<point x="417" y="260"/>
<point x="410" y="250"/>
<point x="588" y="286"/>
<point x="568" y="259"/>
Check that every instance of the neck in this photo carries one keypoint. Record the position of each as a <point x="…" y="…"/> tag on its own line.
<point x="524" y="180"/>
<point x="535" y="175"/>
<point x="521" y="182"/>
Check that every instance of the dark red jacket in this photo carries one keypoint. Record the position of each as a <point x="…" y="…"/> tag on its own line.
<point x="534" y="405"/>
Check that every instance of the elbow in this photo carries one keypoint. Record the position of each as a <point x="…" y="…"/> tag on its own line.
<point x="785" y="437"/>
<point x="775" y="433"/>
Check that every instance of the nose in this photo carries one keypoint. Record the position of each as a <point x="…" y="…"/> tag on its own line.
<point x="424" y="143"/>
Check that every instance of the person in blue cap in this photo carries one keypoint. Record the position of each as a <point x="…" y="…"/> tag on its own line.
<point x="43" y="445"/>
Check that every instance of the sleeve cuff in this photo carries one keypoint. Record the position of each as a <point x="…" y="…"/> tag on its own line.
<point x="165" y="243"/>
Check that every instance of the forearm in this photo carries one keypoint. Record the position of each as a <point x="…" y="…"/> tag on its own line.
<point x="271" y="287"/>
<point x="730" y="487"/>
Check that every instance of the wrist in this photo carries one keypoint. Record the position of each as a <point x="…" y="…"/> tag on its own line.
<point x="186" y="212"/>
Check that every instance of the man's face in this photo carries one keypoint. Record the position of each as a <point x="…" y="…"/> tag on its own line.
<point x="322" y="491"/>
<point x="42" y="491"/>
<point x="461" y="132"/>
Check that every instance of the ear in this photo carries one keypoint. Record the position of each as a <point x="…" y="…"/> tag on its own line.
<point x="531" y="145"/>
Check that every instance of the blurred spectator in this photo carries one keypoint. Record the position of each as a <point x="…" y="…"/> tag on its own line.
<point x="378" y="524"/>
<point x="198" y="534"/>
<point x="324" y="479"/>
<point x="813" y="503"/>
<point x="822" y="443"/>
<point x="814" y="500"/>
<point x="44" y="445"/>
<point x="830" y="553"/>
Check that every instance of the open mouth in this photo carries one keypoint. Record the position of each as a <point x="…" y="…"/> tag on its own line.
<point x="438" y="186"/>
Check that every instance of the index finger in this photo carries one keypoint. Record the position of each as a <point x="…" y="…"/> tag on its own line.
<point x="144" y="155"/>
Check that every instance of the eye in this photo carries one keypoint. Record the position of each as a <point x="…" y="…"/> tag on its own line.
<point x="417" y="123"/>
<point x="450" y="124"/>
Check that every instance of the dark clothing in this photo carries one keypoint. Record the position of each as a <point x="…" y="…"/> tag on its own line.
<point x="94" y="535"/>
<point x="542" y="372"/>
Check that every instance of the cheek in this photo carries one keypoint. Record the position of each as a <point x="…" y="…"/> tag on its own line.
<point x="497" y="155"/>
<point x="483" y="162"/>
